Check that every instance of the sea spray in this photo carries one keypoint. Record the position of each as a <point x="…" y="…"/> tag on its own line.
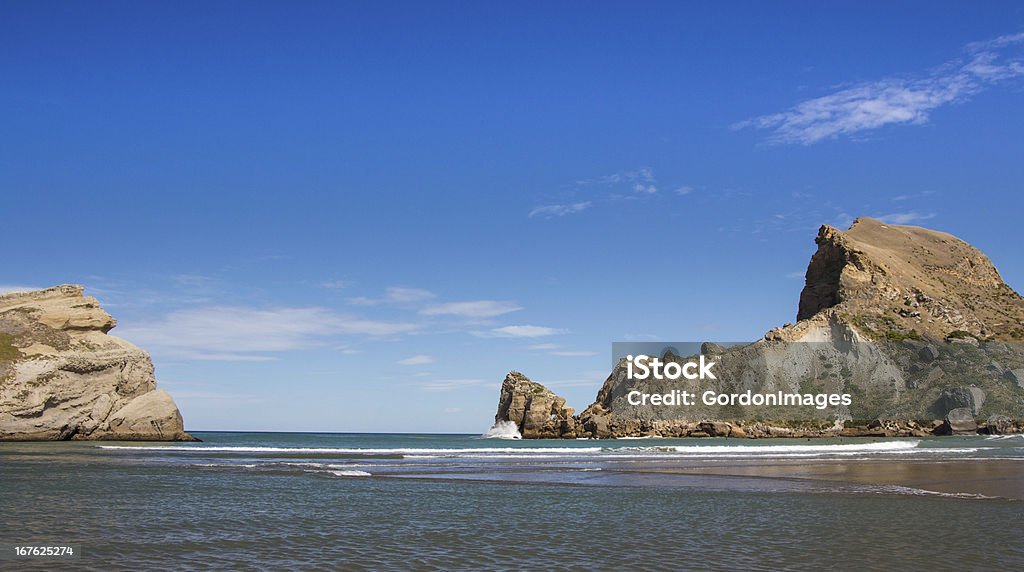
<point x="503" y="430"/>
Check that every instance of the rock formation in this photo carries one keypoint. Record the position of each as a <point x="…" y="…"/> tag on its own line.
<point x="916" y="325"/>
<point x="536" y="411"/>
<point x="889" y="280"/>
<point x="62" y="376"/>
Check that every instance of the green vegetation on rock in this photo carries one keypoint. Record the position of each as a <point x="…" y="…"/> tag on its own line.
<point x="7" y="350"/>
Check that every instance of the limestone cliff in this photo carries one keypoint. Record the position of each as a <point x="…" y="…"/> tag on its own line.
<point x="915" y="325"/>
<point x="62" y="376"/>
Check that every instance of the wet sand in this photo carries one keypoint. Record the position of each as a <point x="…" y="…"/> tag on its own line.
<point x="975" y="477"/>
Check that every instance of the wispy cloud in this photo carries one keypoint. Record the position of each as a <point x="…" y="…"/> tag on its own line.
<point x="416" y="360"/>
<point x="407" y="295"/>
<point x="556" y="350"/>
<point x="894" y="101"/>
<point x="525" y="331"/>
<point x="235" y="333"/>
<point x="186" y="396"/>
<point x="559" y="210"/>
<point x="8" y="288"/>
<point x="472" y="309"/>
<point x="634" y="185"/>
<point x="395" y="296"/>
<point x="904" y="218"/>
<point x="335" y="284"/>
<point x="450" y="384"/>
<point x="542" y="347"/>
<point x="641" y="175"/>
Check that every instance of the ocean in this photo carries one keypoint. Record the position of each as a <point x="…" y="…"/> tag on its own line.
<point x="312" y="501"/>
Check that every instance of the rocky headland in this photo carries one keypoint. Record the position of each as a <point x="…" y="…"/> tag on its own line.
<point x="63" y="376"/>
<point x="915" y="325"/>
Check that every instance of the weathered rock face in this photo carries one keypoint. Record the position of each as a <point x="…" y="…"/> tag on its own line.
<point x="535" y="410"/>
<point x="890" y="280"/>
<point x="961" y="421"/>
<point x="970" y="398"/>
<point x="915" y="325"/>
<point x="62" y="376"/>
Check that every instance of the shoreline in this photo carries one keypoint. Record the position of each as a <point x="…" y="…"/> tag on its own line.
<point x="678" y="429"/>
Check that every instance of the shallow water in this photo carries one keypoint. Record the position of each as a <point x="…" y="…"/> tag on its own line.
<point x="329" y="501"/>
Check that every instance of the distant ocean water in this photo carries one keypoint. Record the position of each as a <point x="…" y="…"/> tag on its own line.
<point x="404" y="501"/>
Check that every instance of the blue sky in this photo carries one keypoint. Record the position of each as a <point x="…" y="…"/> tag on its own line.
<point x="359" y="216"/>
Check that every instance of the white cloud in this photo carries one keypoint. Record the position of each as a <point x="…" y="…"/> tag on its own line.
<point x="543" y="347"/>
<point x="363" y="301"/>
<point x="407" y="295"/>
<point x="239" y="333"/>
<point x="892" y="101"/>
<point x="206" y="396"/>
<point x="904" y="218"/>
<point x="559" y="210"/>
<point x="9" y="288"/>
<point x="642" y="188"/>
<point x="394" y="296"/>
<point x="643" y="174"/>
<point x="524" y="331"/>
<point x="472" y="309"/>
<point x="450" y="384"/>
<point x="335" y="284"/>
<point x="684" y="190"/>
<point x="417" y="360"/>
<point x="554" y="349"/>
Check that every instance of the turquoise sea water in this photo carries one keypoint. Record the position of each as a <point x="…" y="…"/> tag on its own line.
<point x="359" y="501"/>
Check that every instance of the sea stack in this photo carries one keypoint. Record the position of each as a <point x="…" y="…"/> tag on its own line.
<point x="63" y="376"/>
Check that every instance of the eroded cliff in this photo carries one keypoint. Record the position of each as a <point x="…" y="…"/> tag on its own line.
<point x="63" y="376"/>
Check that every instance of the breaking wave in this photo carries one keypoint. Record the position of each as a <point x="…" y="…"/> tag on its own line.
<point x="351" y="474"/>
<point x="526" y="451"/>
<point x="503" y="430"/>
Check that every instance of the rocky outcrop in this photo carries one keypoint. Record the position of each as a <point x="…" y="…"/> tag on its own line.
<point x="533" y="408"/>
<point x="889" y="280"/>
<point x="961" y="421"/>
<point x="915" y="325"/>
<point x="970" y="398"/>
<point x="62" y="376"/>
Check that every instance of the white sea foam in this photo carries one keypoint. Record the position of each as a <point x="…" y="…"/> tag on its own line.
<point x="226" y="465"/>
<point x="528" y="452"/>
<point x="901" y="490"/>
<point x="503" y="430"/>
<point x="1004" y="437"/>
<point x="880" y="446"/>
<point x="348" y="451"/>
<point x="351" y="474"/>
